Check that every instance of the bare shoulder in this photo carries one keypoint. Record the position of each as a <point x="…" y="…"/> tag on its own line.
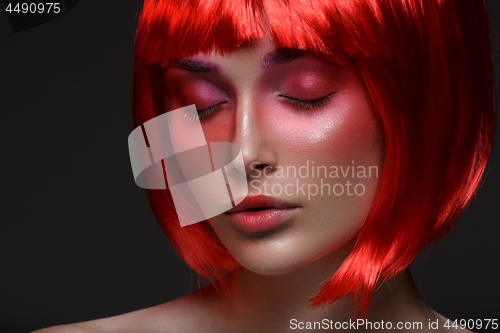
<point x="137" y="321"/>
<point x="186" y="314"/>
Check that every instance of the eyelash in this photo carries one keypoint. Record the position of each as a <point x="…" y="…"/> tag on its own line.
<point x="202" y="114"/>
<point x="312" y="105"/>
<point x="208" y="112"/>
<point x="299" y="104"/>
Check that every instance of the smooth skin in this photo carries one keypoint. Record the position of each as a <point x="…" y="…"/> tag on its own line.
<point x="281" y="114"/>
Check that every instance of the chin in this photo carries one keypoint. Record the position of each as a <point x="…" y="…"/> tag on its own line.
<point x="282" y="257"/>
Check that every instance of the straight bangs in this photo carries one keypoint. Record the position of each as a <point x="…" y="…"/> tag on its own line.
<point x="173" y="29"/>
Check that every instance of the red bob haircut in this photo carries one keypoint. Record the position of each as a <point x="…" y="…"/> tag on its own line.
<point x="428" y="70"/>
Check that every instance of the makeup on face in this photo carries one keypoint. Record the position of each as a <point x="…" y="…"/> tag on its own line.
<point x="285" y="109"/>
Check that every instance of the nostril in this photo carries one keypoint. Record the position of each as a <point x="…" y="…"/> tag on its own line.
<point x="267" y="170"/>
<point x="262" y="170"/>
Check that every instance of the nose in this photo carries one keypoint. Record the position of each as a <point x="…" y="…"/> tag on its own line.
<point x="251" y="136"/>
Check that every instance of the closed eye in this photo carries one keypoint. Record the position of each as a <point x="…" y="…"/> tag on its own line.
<point x="314" y="104"/>
<point x="210" y="111"/>
<point x="202" y="114"/>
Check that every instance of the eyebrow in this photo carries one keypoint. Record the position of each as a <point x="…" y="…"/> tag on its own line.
<point x="194" y="65"/>
<point x="280" y="56"/>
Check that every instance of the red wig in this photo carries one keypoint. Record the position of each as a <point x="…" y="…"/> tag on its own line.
<point x="428" y="70"/>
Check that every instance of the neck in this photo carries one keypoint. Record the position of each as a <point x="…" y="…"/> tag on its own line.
<point x="275" y="303"/>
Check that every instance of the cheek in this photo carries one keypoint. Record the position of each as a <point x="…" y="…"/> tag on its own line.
<point x="220" y="127"/>
<point x="337" y="134"/>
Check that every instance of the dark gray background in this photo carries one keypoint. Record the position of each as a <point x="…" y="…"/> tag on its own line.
<point x="77" y="238"/>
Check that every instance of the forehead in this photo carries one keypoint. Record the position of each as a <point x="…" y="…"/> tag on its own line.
<point x="242" y="65"/>
<point x="259" y="52"/>
<point x="253" y="50"/>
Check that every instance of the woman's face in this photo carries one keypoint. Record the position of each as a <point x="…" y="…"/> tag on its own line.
<point x="311" y="142"/>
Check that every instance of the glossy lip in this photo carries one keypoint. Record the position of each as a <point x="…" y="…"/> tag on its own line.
<point x="260" y="213"/>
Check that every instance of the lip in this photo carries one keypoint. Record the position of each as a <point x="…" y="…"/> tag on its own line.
<point x="260" y="213"/>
